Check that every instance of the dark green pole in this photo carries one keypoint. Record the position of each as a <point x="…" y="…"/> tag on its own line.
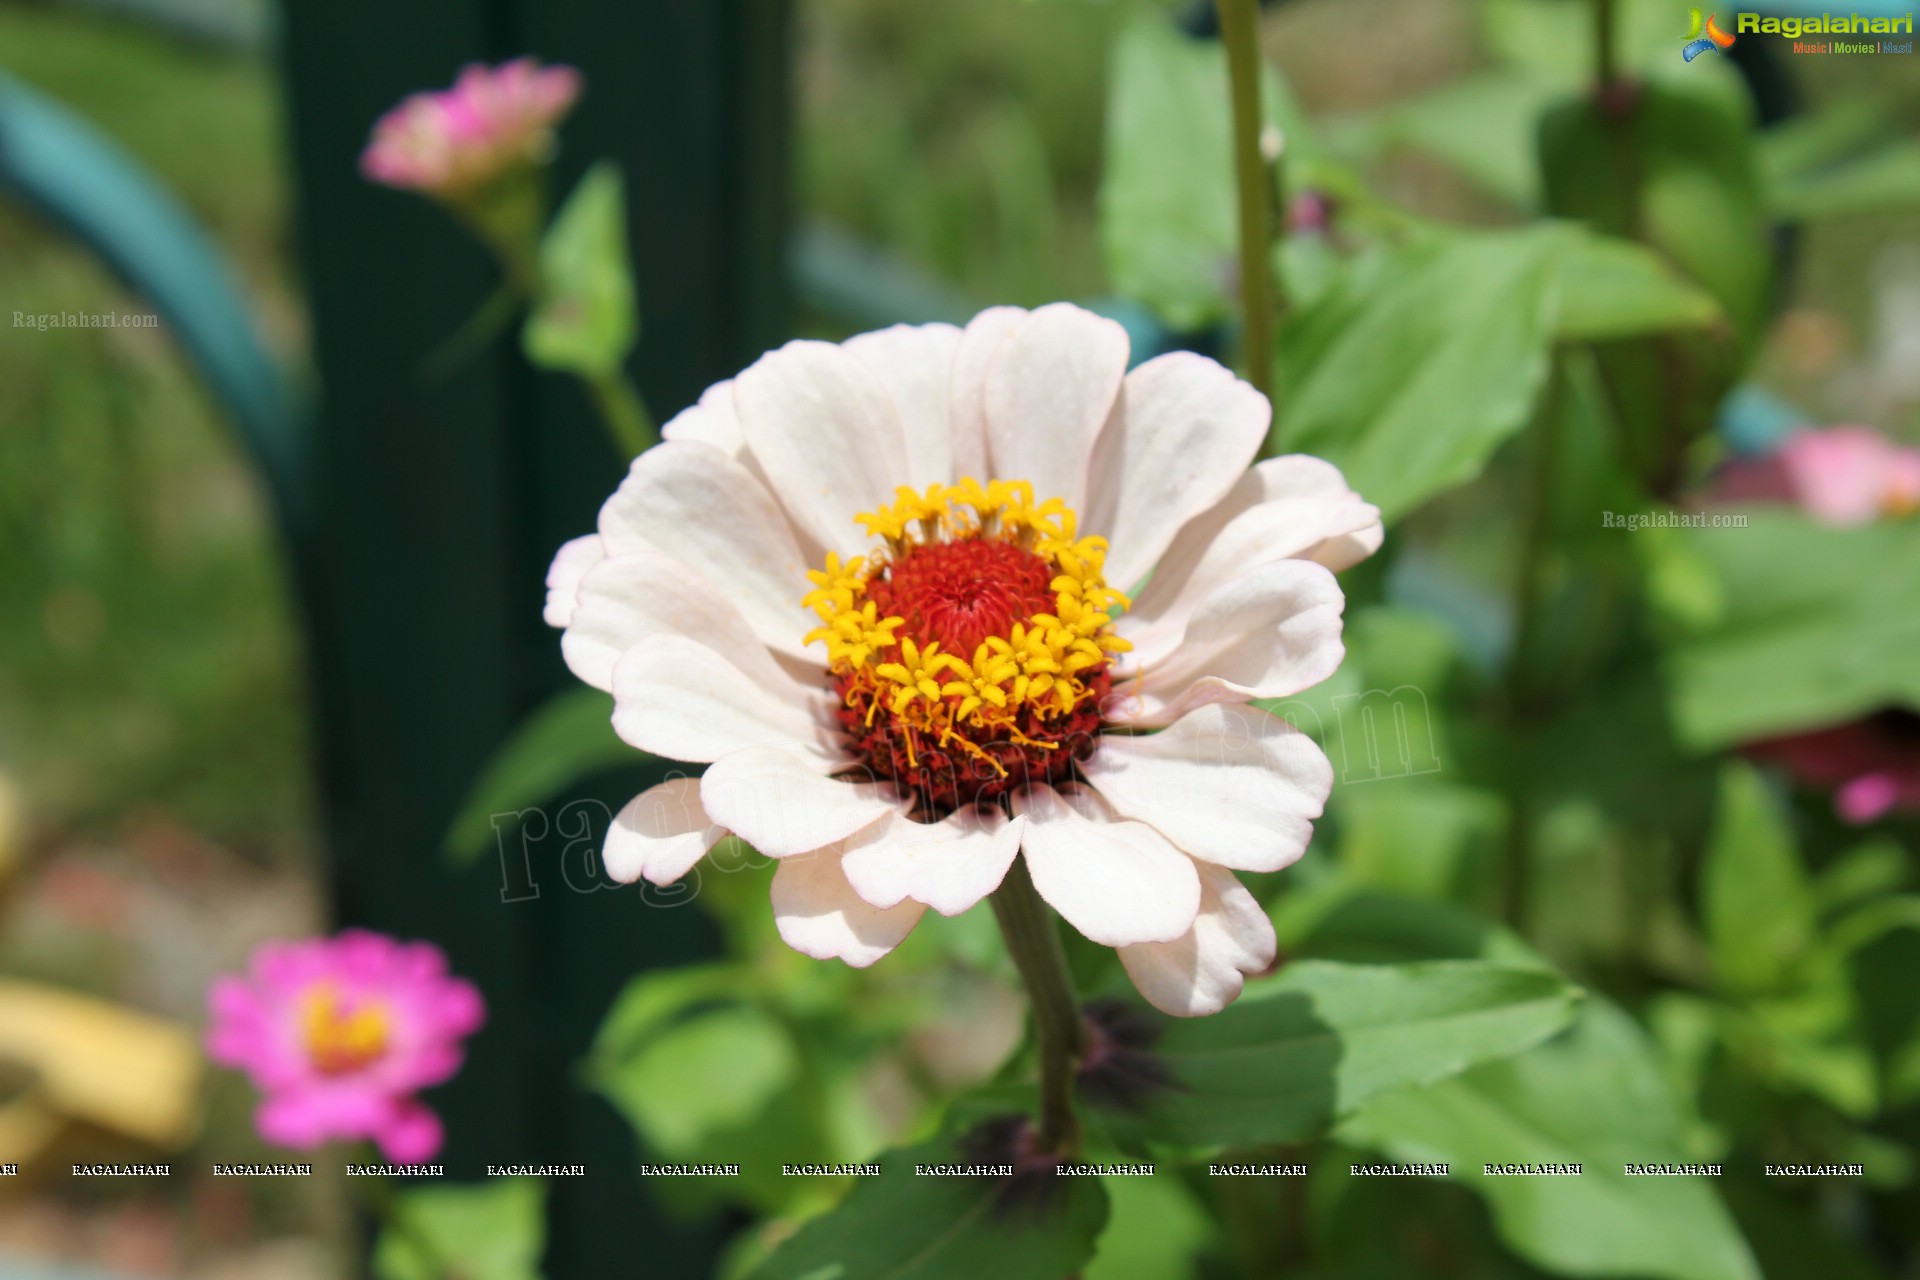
<point x="438" y="506"/>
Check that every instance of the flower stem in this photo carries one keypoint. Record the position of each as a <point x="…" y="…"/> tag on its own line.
<point x="1033" y="940"/>
<point x="1240" y="30"/>
<point x="624" y="412"/>
<point x="1523" y="698"/>
<point x="1606" y="67"/>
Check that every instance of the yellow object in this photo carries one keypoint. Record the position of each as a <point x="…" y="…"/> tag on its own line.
<point x="93" y="1062"/>
<point x="12" y="829"/>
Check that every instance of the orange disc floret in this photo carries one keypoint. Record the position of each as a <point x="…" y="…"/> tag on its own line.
<point x="972" y="654"/>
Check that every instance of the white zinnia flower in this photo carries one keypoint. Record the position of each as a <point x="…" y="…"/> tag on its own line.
<point x="934" y="598"/>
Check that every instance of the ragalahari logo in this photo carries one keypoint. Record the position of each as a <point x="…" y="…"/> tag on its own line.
<point x="1702" y="36"/>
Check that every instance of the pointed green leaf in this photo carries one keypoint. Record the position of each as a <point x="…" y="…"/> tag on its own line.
<point x="567" y="739"/>
<point x="586" y="320"/>
<point x="1593" y="1098"/>
<point x="1843" y="160"/>
<point x="491" y="1231"/>
<point x="1611" y="288"/>
<point x="1409" y="373"/>
<point x="1772" y="636"/>
<point x="905" y="1226"/>
<point x="1296" y="1052"/>
<point x="1757" y="902"/>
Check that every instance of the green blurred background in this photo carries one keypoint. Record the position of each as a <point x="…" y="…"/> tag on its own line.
<point x="156" y="810"/>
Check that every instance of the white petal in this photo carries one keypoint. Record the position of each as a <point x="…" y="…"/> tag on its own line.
<point x="570" y="564"/>
<point x="1227" y="784"/>
<point x="819" y="914"/>
<point x="645" y="593"/>
<point x="1268" y="634"/>
<point x="1285" y="508"/>
<point x="711" y="421"/>
<point x="1050" y="386"/>
<point x="679" y="699"/>
<point x="1202" y="971"/>
<point x="1116" y="882"/>
<point x="659" y="834"/>
<point x="708" y="511"/>
<point x="949" y="865"/>
<point x="978" y="343"/>
<point x="915" y="362"/>
<point x="823" y="423"/>
<point x="1181" y="436"/>
<point x="783" y="804"/>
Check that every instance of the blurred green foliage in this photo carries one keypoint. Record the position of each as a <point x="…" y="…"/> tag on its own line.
<point x="1496" y="382"/>
<point x="150" y="644"/>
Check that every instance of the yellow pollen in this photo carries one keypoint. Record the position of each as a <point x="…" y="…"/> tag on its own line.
<point x="341" y="1037"/>
<point x="1036" y="667"/>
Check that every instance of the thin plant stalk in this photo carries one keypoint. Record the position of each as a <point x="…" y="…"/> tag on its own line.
<point x="1033" y="940"/>
<point x="1240" y="30"/>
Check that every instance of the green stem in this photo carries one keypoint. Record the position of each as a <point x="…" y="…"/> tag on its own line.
<point x="624" y="412"/>
<point x="475" y="333"/>
<point x="1522" y="703"/>
<point x="1606" y="65"/>
<point x="1033" y="940"/>
<point x="1240" y="30"/>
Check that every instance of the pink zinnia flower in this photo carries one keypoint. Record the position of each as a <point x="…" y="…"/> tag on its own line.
<point x="493" y="119"/>
<point x="1842" y="476"/>
<point x="340" y="1033"/>
<point x="1837" y="475"/>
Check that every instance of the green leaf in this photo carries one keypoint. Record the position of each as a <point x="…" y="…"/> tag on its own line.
<point x="901" y="1226"/>
<point x="1791" y="1241"/>
<point x="1296" y="1052"/>
<point x="1481" y="126"/>
<point x="651" y="1002"/>
<point x="1382" y="928"/>
<point x="1885" y="179"/>
<point x="1157" y="1231"/>
<point x="1808" y="1041"/>
<point x="492" y="1231"/>
<point x="1167" y="203"/>
<point x="1755" y="896"/>
<point x="586" y="320"/>
<point x="1867" y="924"/>
<point x="711" y="1073"/>
<point x="1612" y="288"/>
<point x="1774" y="632"/>
<point x="1408" y="375"/>
<point x="1843" y="160"/>
<point x="567" y="739"/>
<point x="1687" y="152"/>
<point x="705" y="1078"/>
<point x="1552" y="43"/>
<point x="1425" y="837"/>
<point x="1866" y="871"/>
<point x="1594" y="1098"/>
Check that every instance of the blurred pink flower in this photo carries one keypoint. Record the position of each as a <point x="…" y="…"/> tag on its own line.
<point x="1872" y="765"/>
<point x="339" y="1033"/>
<point x="493" y="120"/>
<point x="1842" y="476"/>
<point x="1837" y="475"/>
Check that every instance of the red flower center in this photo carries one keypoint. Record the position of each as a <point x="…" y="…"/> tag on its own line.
<point x="972" y="655"/>
<point x="959" y="593"/>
